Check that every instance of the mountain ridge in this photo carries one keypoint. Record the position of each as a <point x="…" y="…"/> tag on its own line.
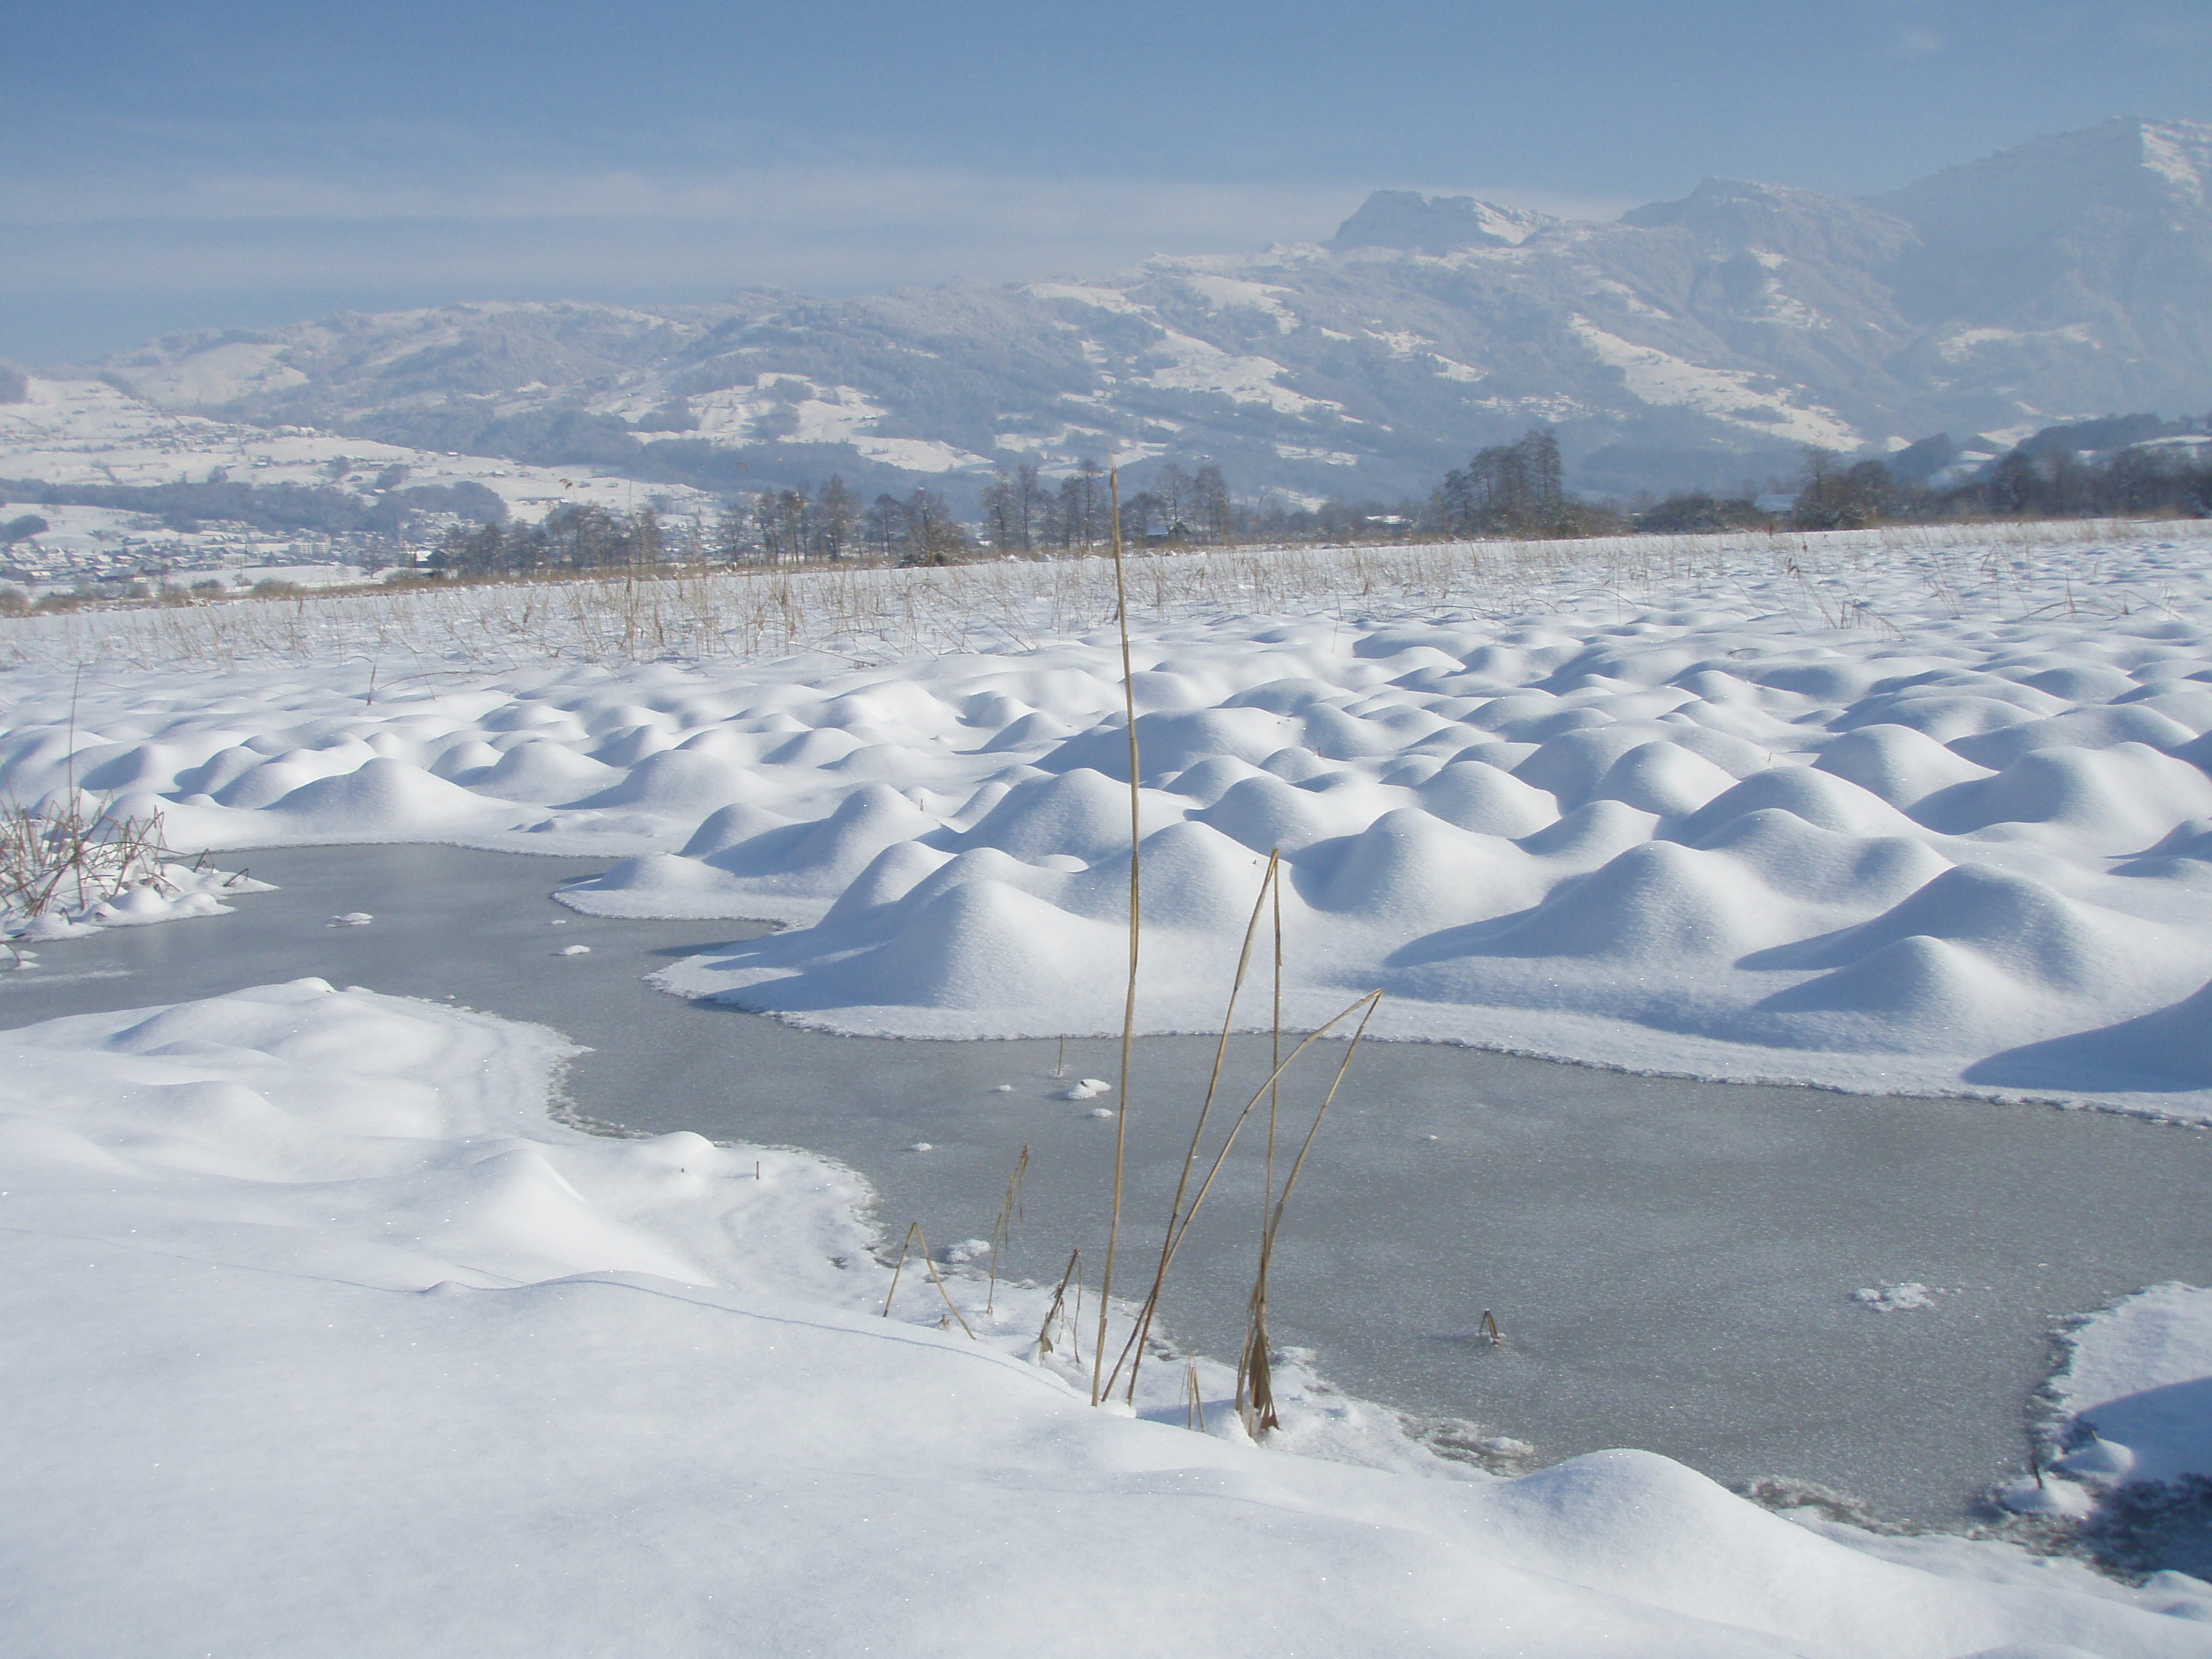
<point x="1703" y="340"/>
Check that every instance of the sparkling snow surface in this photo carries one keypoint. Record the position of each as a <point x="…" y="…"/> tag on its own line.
<point x="1923" y="824"/>
<point x="1676" y="1264"/>
<point x="324" y="1338"/>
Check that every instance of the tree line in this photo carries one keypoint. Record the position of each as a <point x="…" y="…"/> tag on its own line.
<point x="1514" y="490"/>
<point x="2054" y="483"/>
<point x="1517" y="489"/>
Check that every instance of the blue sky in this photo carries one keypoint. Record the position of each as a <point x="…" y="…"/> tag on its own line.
<point x="166" y="165"/>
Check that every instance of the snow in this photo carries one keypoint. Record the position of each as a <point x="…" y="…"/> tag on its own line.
<point x="1195" y="365"/>
<point x="167" y="891"/>
<point x="1660" y="377"/>
<point x="88" y="432"/>
<point x="2178" y="153"/>
<point x="1103" y="299"/>
<point x="1912" y="1296"/>
<point x="1233" y="293"/>
<point x="2134" y="1399"/>
<point x="334" y="1342"/>
<point x="1934" y="818"/>
<point x="917" y="454"/>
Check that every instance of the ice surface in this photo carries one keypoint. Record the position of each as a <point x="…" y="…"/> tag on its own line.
<point x="1672" y="1262"/>
<point x="333" y="1338"/>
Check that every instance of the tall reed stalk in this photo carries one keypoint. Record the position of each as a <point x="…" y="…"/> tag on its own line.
<point x="1255" y="1391"/>
<point x="1172" y="1235"/>
<point x="1136" y="940"/>
<point x="1002" y="1229"/>
<point x="1367" y="1003"/>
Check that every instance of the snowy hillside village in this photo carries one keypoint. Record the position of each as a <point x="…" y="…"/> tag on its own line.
<point x="1217" y="962"/>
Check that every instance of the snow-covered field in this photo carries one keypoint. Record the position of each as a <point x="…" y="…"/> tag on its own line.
<point x="324" y="1338"/>
<point x="344" y="1343"/>
<point x="1905" y="814"/>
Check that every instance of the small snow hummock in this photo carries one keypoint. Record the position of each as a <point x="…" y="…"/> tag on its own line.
<point x="352" y="919"/>
<point x="921" y="1146"/>
<point x="1907" y="1297"/>
<point x="1100" y="1112"/>
<point x="171" y="892"/>
<point x="2131" y="1435"/>
<point x="1089" y="1089"/>
<point x="1003" y="1089"/>
<point x="574" y="950"/>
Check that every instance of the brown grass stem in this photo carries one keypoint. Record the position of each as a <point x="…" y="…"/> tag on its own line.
<point x="1136" y="938"/>
<point x="1228" y="1142"/>
<point x="915" y="1234"/>
<point x="1171" y="1236"/>
<point x="1255" y="1392"/>
<point x="1052" y="1314"/>
<point x="1002" y="1229"/>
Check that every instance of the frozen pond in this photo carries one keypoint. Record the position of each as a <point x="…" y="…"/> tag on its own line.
<point x="1673" y="1263"/>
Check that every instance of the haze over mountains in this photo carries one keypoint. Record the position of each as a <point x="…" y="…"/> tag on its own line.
<point x="1698" y="342"/>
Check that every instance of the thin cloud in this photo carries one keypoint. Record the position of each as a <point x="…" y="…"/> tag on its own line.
<point x="609" y="228"/>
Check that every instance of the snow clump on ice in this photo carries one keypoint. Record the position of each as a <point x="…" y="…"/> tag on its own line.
<point x="1907" y="1297"/>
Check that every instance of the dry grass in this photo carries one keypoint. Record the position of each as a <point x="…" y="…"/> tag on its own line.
<point x="71" y="856"/>
<point x="1136" y="938"/>
<point x="916" y="1236"/>
<point x="1255" y="1394"/>
<point x="1002" y="1228"/>
<point x="1055" y="1316"/>
<point x="872" y="614"/>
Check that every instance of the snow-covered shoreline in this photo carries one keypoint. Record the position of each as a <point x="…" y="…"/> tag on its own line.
<point x="334" y="1341"/>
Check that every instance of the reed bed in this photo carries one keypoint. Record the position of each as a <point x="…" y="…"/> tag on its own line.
<point x="867" y="614"/>
<point x="69" y="854"/>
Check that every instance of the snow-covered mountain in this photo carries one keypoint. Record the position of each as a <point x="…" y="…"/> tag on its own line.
<point x="1703" y="340"/>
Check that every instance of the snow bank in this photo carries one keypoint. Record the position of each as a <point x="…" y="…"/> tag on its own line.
<point x="324" y="1338"/>
<point x="1970" y="849"/>
<point x="2129" y="1447"/>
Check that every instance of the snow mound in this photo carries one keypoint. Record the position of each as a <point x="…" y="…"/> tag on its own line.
<point x="1965" y="851"/>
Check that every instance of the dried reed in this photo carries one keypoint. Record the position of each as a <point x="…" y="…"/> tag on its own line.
<point x="1255" y="1394"/>
<point x="1002" y="1229"/>
<point x="1053" y="1313"/>
<point x="1136" y="941"/>
<point x="76" y="856"/>
<point x="913" y="1235"/>
<point x="424" y="634"/>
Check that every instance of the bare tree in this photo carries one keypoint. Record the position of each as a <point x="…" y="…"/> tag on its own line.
<point x="1029" y="504"/>
<point x="1211" y="514"/>
<point x="836" y="510"/>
